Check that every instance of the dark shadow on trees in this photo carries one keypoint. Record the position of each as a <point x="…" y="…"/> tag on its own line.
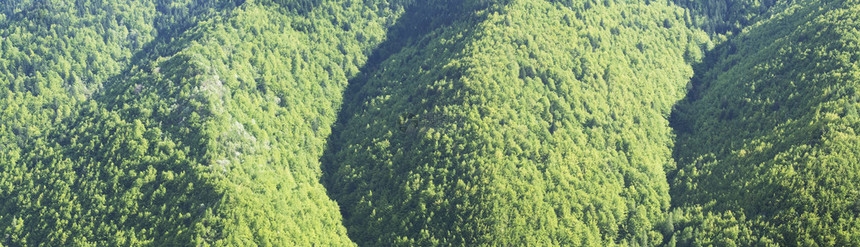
<point x="420" y="19"/>
<point x="681" y="119"/>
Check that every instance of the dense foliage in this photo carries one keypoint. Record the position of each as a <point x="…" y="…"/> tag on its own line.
<point x="444" y="122"/>
<point x="210" y="134"/>
<point x="544" y="123"/>
<point x="722" y="17"/>
<point x="767" y="148"/>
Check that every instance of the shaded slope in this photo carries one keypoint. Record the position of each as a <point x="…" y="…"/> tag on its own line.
<point x="728" y="17"/>
<point x="212" y="136"/>
<point x="529" y="122"/>
<point x="767" y="145"/>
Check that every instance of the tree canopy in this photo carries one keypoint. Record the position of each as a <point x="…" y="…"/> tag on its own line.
<point x="424" y="123"/>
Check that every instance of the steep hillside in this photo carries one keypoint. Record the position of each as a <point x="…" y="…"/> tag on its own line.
<point x="767" y="146"/>
<point x="727" y="17"/>
<point x="424" y="123"/>
<point x="47" y="65"/>
<point x="56" y="54"/>
<point x="210" y="135"/>
<point x="514" y="123"/>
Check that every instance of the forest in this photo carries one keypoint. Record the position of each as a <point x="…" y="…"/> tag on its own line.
<point x="430" y="123"/>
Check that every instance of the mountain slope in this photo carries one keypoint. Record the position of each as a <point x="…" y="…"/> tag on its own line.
<point x="523" y="122"/>
<point x="767" y="139"/>
<point x="721" y="17"/>
<point x="46" y="66"/>
<point x="211" y="135"/>
<point x="446" y="122"/>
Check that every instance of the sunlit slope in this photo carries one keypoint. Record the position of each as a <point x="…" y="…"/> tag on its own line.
<point x="767" y="146"/>
<point x="526" y="122"/>
<point x="211" y="136"/>
<point x="56" y="55"/>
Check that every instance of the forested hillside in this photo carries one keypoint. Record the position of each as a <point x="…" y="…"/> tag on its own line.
<point x="723" y="18"/>
<point x="198" y="137"/>
<point x="424" y="123"/>
<point x="767" y="145"/>
<point x="526" y="122"/>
